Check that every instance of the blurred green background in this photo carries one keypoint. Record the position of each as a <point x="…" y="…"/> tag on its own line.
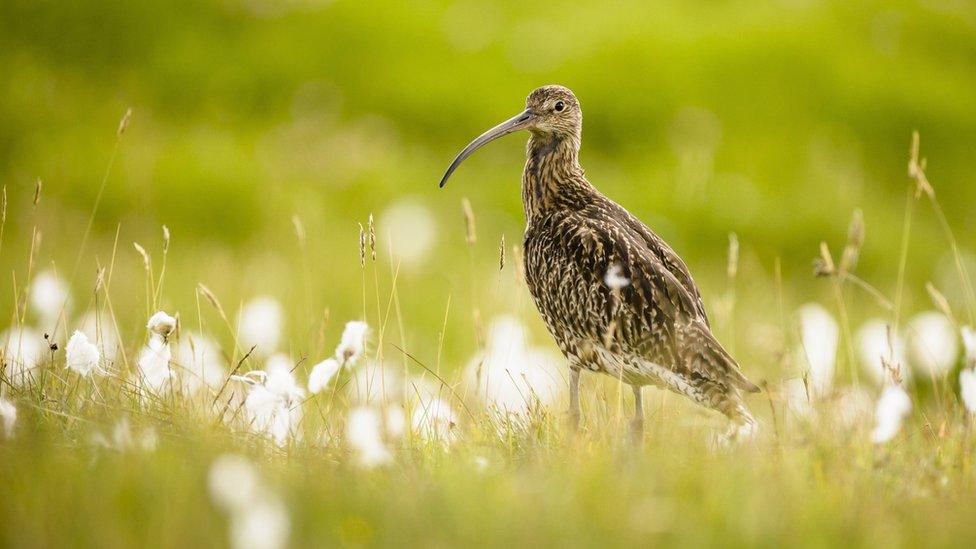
<point x="773" y="120"/>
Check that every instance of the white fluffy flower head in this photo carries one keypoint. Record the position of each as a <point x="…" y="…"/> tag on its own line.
<point x="48" y="295"/>
<point x="261" y="325"/>
<point x="969" y="345"/>
<point x="353" y="343"/>
<point x="322" y="373"/>
<point x="258" y="518"/>
<point x="967" y="389"/>
<point x="933" y="346"/>
<point x="365" y="435"/>
<point x="892" y="408"/>
<point x="154" y="363"/>
<point x="273" y="402"/>
<point x="81" y="355"/>
<point x="161" y="324"/>
<point x="820" y="335"/>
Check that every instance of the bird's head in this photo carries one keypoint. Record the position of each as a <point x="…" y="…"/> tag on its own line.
<point x="550" y="111"/>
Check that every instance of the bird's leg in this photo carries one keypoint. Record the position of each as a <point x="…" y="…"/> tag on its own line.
<point x="637" y="424"/>
<point x="574" y="404"/>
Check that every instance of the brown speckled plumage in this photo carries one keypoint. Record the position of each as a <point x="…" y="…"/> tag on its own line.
<point x="650" y="329"/>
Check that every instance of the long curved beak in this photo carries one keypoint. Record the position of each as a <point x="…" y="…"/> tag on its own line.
<point x="518" y="122"/>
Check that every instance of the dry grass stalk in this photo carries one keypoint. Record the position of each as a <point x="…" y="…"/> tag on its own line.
<point x="855" y="240"/>
<point x="916" y="170"/>
<point x="890" y="366"/>
<point x="124" y="122"/>
<point x="100" y="279"/>
<point x="940" y="302"/>
<point x="501" y="254"/>
<point x="471" y="234"/>
<point x="37" y="192"/>
<point x="209" y="295"/>
<point x="299" y="230"/>
<point x="165" y="239"/>
<point x="732" y="268"/>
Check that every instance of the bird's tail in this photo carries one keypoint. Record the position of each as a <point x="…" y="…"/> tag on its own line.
<point x="708" y="355"/>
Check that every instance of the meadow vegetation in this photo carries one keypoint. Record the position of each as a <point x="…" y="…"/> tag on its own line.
<point x="238" y="311"/>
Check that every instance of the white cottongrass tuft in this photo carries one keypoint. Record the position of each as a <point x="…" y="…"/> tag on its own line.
<point x="8" y="417"/>
<point x="511" y="375"/>
<point x="48" y="295"/>
<point x="154" y="364"/>
<point x="873" y="350"/>
<point x="353" y="343"/>
<point x="263" y="525"/>
<point x="322" y="374"/>
<point x="967" y="388"/>
<point x="819" y="336"/>
<point x="376" y="383"/>
<point x="969" y="345"/>
<point x="889" y="413"/>
<point x="615" y="279"/>
<point x="932" y="345"/>
<point x="261" y="325"/>
<point x="102" y="334"/>
<point x="161" y="324"/>
<point x="436" y="421"/>
<point x="81" y="355"/>
<point x="794" y="394"/>
<point x="23" y="349"/>
<point x="258" y="518"/>
<point x="273" y="403"/>
<point x="411" y="229"/>
<point x="232" y="482"/>
<point x="200" y="363"/>
<point x="364" y="434"/>
<point x="396" y="422"/>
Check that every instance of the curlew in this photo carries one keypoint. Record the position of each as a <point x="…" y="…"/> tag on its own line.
<point x="615" y="297"/>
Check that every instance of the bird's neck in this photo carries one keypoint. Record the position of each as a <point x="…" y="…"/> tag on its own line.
<point x="552" y="173"/>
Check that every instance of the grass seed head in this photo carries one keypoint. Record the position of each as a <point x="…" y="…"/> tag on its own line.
<point x="165" y="239"/>
<point x="209" y="295"/>
<point x="146" y="263"/>
<point x="362" y="247"/>
<point x="823" y="266"/>
<point x="916" y="170"/>
<point x="372" y="238"/>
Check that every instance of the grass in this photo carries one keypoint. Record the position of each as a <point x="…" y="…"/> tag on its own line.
<point x="812" y="479"/>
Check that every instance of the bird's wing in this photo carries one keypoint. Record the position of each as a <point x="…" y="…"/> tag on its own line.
<point x="668" y="258"/>
<point x="659" y="313"/>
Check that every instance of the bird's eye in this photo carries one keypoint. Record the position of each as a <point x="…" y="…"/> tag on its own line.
<point x="560" y="106"/>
